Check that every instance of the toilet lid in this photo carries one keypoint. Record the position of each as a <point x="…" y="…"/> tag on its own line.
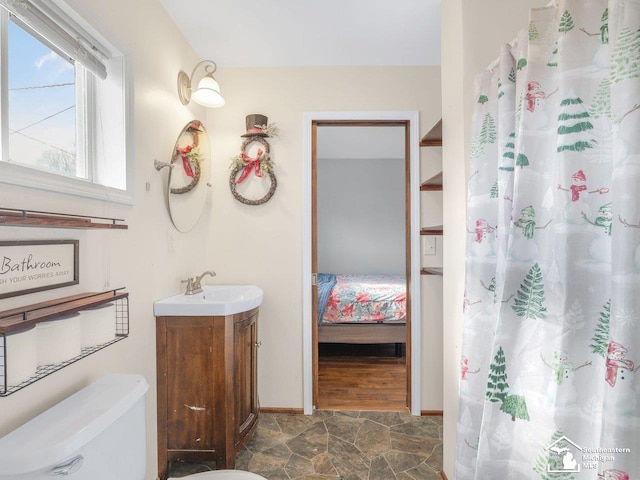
<point x="223" y="475"/>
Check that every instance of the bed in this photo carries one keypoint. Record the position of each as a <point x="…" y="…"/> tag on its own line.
<point x="362" y="308"/>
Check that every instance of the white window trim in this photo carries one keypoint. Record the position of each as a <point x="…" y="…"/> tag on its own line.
<point x="19" y="175"/>
<point x="15" y="174"/>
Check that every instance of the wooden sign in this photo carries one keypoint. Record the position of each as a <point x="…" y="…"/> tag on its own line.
<point x="32" y="266"/>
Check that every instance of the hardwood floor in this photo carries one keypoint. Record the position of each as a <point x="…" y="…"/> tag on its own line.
<point x="361" y="377"/>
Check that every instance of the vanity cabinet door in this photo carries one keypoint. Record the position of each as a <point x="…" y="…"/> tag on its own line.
<point x="245" y="362"/>
<point x="190" y="383"/>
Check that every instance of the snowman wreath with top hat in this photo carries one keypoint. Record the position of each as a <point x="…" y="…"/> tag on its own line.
<point x="244" y="165"/>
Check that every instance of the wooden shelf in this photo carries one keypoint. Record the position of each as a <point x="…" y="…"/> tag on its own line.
<point x="434" y="230"/>
<point x="32" y="218"/>
<point x="431" y="271"/>
<point x="17" y="319"/>
<point x="433" y="138"/>
<point x="434" y="184"/>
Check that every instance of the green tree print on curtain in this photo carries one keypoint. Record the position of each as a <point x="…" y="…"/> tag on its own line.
<point x="486" y="135"/>
<point x="512" y="76"/>
<point x="601" y="103"/>
<point x="529" y="299"/>
<point x="625" y="58"/>
<point x="482" y="99"/>
<point x="509" y="148"/>
<point x="516" y="406"/>
<point x="551" y="460"/>
<point x="494" y="190"/>
<point x="533" y="31"/>
<point x="600" y="340"/>
<point x="522" y="160"/>
<point x="553" y="59"/>
<point x="574" y="318"/>
<point x="488" y="132"/>
<point x="566" y="22"/>
<point x="477" y="147"/>
<point x="574" y="125"/>
<point x="497" y="386"/>
<point x="522" y="63"/>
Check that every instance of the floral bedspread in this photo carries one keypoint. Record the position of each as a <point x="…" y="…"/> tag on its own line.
<point x="367" y="299"/>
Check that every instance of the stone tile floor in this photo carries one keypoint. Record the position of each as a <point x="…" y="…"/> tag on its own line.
<point x="358" y="445"/>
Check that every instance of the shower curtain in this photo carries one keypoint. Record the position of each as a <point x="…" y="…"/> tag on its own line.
<point x="549" y="374"/>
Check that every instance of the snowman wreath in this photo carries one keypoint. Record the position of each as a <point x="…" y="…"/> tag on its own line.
<point x="190" y="156"/>
<point x="243" y="165"/>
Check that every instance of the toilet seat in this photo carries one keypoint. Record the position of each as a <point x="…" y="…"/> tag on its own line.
<point x="223" y="475"/>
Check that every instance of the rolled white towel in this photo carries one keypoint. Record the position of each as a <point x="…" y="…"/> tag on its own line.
<point x="98" y="324"/>
<point x="59" y="340"/>
<point x="22" y="355"/>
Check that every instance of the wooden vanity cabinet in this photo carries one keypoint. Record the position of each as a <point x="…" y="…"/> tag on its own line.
<point x="207" y="387"/>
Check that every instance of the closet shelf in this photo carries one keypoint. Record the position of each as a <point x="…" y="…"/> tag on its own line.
<point x="431" y="271"/>
<point x="18" y="318"/>
<point x="33" y="218"/>
<point x="434" y="184"/>
<point x="433" y="138"/>
<point x="434" y="230"/>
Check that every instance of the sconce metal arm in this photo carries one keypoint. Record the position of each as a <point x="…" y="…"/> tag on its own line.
<point x="184" y="81"/>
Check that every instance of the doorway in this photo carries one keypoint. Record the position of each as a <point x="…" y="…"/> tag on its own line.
<point x="384" y="339"/>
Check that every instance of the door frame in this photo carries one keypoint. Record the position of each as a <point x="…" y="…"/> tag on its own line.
<point x="413" y="279"/>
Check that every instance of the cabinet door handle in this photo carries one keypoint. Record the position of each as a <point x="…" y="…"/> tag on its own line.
<point x="258" y="344"/>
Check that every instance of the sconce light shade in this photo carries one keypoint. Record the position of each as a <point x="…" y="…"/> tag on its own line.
<point x="208" y="91"/>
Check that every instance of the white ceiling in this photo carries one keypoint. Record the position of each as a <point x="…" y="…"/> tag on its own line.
<point x="254" y="33"/>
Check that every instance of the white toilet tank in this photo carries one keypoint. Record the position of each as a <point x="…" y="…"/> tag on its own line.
<point x="97" y="433"/>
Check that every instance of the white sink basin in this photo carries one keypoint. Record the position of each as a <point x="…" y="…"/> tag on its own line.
<point x="213" y="300"/>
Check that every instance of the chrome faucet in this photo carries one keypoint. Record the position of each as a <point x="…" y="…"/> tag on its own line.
<point x="193" y="284"/>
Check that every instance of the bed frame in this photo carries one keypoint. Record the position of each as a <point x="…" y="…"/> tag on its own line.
<point x="362" y="333"/>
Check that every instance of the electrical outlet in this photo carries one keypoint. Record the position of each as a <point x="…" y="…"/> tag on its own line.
<point x="428" y="246"/>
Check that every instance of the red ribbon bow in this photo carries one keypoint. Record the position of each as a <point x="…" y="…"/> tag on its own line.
<point x="251" y="164"/>
<point x="185" y="160"/>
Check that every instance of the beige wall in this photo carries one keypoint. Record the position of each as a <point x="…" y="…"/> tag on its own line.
<point x="472" y="33"/>
<point x="263" y="244"/>
<point x="140" y="258"/>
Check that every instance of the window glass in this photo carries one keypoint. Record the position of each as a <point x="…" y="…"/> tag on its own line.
<point x="42" y="106"/>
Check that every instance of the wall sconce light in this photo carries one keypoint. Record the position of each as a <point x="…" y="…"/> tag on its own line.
<point x="208" y="91"/>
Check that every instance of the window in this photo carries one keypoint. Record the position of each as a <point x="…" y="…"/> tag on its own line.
<point x="63" y="102"/>
<point x="42" y="106"/>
